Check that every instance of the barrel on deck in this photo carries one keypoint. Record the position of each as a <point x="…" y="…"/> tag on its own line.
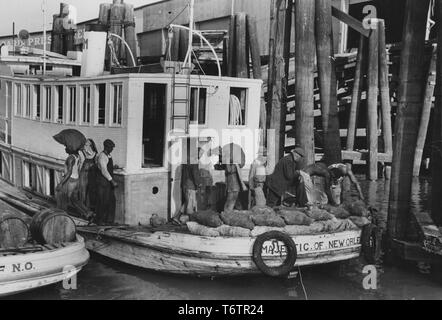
<point x="53" y="226"/>
<point x="14" y="231"/>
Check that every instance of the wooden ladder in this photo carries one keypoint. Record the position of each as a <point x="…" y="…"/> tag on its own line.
<point x="180" y="113"/>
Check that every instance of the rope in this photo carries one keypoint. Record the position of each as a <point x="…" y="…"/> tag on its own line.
<point x="113" y="54"/>
<point x="235" y="111"/>
<point x="197" y="61"/>
<point x="302" y="283"/>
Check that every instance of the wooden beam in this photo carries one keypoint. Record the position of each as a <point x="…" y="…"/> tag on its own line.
<point x="426" y="113"/>
<point x="231" y="71"/>
<point x="257" y="71"/>
<point x="304" y="86"/>
<point x="327" y="82"/>
<point x="436" y="158"/>
<point x="277" y="85"/>
<point x="356" y="95"/>
<point x="372" y="104"/>
<point x="353" y="23"/>
<point x="384" y="84"/>
<point x="242" y="56"/>
<point x="410" y="95"/>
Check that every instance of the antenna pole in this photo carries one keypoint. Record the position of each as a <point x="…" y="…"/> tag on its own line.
<point x="191" y="23"/>
<point x="44" y="36"/>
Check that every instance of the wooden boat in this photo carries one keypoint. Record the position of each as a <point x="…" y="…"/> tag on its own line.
<point x="177" y="251"/>
<point x="32" y="267"/>
<point x="151" y="117"/>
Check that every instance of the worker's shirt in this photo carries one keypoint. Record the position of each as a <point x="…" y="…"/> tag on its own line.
<point x="103" y="162"/>
<point x="232" y="178"/>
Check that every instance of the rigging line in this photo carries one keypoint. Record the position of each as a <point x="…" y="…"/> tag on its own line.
<point x="197" y="61"/>
<point x="302" y="283"/>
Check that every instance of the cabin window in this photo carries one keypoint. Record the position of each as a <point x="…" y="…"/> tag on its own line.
<point x="60" y="94"/>
<point x="154" y="125"/>
<point x="117" y="104"/>
<point x="86" y="104"/>
<point x="18" y="100"/>
<point x="37" y="102"/>
<point x="5" y="165"/>
<point x="51" y="185"/>
<point x="101" y="90"/>
<point x="48" y="103"/>
<point x="29" y="175"/>
<point x="28" y="101"/>
<point x="72" y="104"/>
<point x="237" y="106"/>
<point x="198" y="105"/>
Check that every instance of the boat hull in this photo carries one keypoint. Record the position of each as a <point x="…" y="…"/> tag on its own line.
<point x="187" y="254"/>
<point x="23" y="272"/>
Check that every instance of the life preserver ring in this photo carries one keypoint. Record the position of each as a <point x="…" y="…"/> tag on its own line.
<point x="288" y="263"/>
<point x="371" y="241"/>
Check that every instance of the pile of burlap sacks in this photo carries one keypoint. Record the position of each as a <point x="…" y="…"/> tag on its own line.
<point x="293" y="221"/>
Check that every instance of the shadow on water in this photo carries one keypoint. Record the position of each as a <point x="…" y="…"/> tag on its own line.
<point x="106" y="279"/>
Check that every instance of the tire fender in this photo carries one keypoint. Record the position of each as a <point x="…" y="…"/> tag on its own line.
<point x="290" y="260"/>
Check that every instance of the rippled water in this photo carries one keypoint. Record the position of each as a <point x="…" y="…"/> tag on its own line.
<point x="105" y="279"/>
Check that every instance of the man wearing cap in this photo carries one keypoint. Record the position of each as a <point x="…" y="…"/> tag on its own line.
<point x="287" y="178"/>
<point x="105" y="208"/>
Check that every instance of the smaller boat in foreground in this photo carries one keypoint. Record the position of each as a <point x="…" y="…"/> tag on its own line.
<point x="32" y="267"/>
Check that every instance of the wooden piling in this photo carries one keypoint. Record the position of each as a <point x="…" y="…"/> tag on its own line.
<point x="426" y="113"/>
<point x="385" y="90"/>
<point x="327" y="82"/>
<point x="407" y="121"/>
<point x="436" y="157"/>
<point x="356" y="95"/>
<point x="103" y="19"/>
<point x="103" y="15"/>
<point x="116" y="19"/>
<point x="242" y="61"/>
<point x="255" y="54"/>
<point x="304" y="61"/>
<point x="131" y="37"/>
<point x="372" y="104"/>
<point x="277" y="86"/>
<point x="231" y="72"/>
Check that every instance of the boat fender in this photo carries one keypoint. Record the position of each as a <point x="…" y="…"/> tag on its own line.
<point x="290" y="260"/>
<point x="371" y="241"/>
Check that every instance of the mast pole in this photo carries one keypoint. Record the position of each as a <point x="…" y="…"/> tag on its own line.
<point x="44" y="36"/>
<point x="191" y="22"/>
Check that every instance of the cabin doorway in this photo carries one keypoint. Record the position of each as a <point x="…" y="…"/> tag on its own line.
<point x="154" y="125"/>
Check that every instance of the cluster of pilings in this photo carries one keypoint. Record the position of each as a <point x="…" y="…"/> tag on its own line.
<point x="63" y="31"/>
<point x="417" y="85"/>
<point x="119" y="18"/>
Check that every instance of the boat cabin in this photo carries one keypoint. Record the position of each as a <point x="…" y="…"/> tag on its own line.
<point x="149" y="116"/>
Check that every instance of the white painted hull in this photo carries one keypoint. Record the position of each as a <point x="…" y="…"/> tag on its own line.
<point x="180" y="253"/>
<point x="23" y="272"/>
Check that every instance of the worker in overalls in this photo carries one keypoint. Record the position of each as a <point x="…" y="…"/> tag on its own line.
<point x="257" y="179"/>
<point x="68" y="190"/>
<point x="105" y="184"/>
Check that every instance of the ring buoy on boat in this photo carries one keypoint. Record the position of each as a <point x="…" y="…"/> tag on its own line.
<point x="290" y="260"/>
<point x="371" y="240"/>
